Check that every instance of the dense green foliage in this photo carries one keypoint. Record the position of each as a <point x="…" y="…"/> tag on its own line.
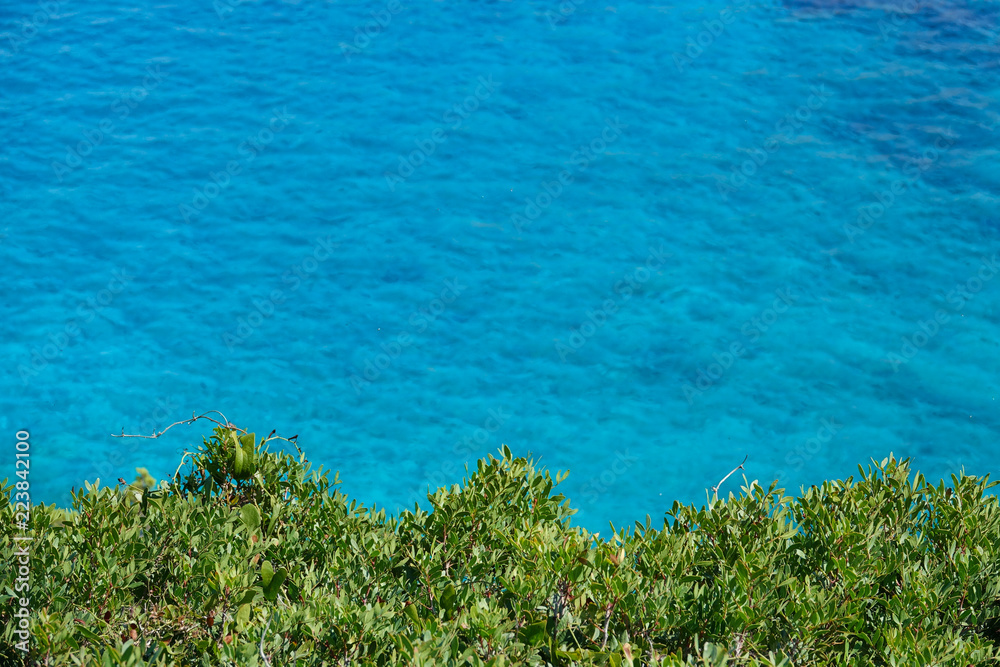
<point x="246" y="557"/>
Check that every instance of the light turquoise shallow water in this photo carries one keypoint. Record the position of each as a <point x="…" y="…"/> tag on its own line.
<point x="827" y="168"/>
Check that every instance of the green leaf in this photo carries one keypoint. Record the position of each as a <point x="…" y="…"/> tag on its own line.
<point x="88" y="634"/>
<point x="275" y="513"/>
<point x="411" y="613"/>
<point x="243" y="456"/>
<point x="243" y="616"/>
<point x="266" y="572"/>
<point x="404" y="645"/>
<point x="247" y="441"/>
<point x="250" y="516"/>
<point x="271" y="590"/>
<point x="535" y="634"/>
<point x="448" y="598"/>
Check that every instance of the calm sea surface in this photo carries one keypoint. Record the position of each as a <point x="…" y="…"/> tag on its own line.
<point x="638" y="241"/>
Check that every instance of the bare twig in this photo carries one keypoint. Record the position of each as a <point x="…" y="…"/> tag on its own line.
<point x="738" y="649"/>
<point x="225" y="424"/>
<point x="263" y="633"/>
<point x="715" y="489"/>
<point x="607" y="620"/>
<point x="178" y="471"/>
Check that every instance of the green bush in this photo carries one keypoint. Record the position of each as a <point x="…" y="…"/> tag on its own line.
<point x="248" y="557"/>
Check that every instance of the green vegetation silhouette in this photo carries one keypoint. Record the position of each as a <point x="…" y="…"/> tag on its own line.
<point x="251" y="557"/>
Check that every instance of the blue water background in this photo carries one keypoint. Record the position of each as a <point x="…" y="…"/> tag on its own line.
<point x="155" y="295"/>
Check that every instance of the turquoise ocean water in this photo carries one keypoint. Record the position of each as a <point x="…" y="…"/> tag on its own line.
<point x="640" y="241"/>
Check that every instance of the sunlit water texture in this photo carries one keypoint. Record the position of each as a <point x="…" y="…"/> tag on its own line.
<point x="638" y="241"/>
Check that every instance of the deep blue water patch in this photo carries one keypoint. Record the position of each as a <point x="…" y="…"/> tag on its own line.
<point x="638" y="241"/>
